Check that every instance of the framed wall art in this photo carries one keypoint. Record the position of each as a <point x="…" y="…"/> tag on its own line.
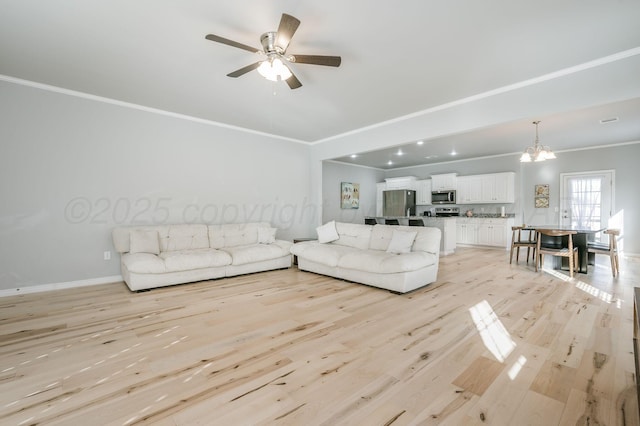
<point x="542" y="196"/>
<point x="349" y="195"/>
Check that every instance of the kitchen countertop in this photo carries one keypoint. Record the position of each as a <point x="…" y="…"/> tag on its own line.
<point x="411" y="217"/>
<point x="489" y="216"/>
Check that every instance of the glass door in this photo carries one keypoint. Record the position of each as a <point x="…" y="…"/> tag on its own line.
<point x="586" y="199"/>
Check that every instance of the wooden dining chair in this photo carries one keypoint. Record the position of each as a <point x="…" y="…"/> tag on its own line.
<point x="569" y="251"/>
<point x="518" y="242"/>
<point x="391" y="222"/>
<point x="609" y="248"/>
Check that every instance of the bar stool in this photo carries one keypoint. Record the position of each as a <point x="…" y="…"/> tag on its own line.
<point x="610" y="249"/>
<point x="416" y="222"/>
<point x="391" y="222"/>
<point x="570" y="251"/>
<point x="517" y="242"/>
<point x="370" y="221"/>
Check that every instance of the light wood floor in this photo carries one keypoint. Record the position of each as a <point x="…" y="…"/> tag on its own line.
<point x="488" y="343"/>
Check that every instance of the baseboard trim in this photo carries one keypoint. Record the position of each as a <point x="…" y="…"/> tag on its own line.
<point x="60" y="286"/>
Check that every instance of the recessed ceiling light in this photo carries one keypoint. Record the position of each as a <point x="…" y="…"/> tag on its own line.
<point x="453" y="152"/>
<point x="420" y="142"/>
<point x="400" y="152"/>
<point x="354" y="155"/>
<point x="428" y="157"/>
<point x="609" y="120"/>
<point x="390" y="162"/>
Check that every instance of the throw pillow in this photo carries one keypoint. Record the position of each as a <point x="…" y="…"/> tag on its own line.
<point x="266" y="235"/>
<point x="401" y="242"/>
<point x="327" y="232"/>
<point x="144" y="242"/>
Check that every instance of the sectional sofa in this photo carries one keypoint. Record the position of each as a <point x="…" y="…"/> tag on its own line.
<point x="396" y="258"/>
<point x="162" y="255"/>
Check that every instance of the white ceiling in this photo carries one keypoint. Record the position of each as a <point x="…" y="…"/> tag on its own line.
<point x="398" y="59"/>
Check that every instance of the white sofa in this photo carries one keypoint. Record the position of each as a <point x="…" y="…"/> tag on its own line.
<point x="360" y="254"/>
<point x="162" y="255"/>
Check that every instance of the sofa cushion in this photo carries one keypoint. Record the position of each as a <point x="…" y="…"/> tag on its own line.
<point x="381" y="237"/>
<point x="353" y="235"/>
<point x="327" y="232"/>
<point x="144" y="241"/>
<point x="185" y="260"/>
<point x="401" y="242"/>
<point x="242" y="255"/>
<point x="428" y="239"/>
<point x="143" y="263"/>
<point x="184" y="237"/>
<point x="235" y="234"/>
<point x="381" y="262"/>
<point x="266" y="235"/>
<point x="325" y="254"/>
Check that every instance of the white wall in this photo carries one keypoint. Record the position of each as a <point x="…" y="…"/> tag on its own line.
<point x="72" y="168"/>
<point x="333" y="174"/>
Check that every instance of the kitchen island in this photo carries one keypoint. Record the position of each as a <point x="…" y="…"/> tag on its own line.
<point x="446" y="224"/>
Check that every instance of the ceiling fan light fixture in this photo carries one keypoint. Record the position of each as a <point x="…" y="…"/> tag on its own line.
<point x="274" y="69"/>
<point x="537" y="152"/>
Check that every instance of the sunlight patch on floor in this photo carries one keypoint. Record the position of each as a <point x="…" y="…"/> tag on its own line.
<point x="588" y="288"/>
<point x="557" y="274"/>
<point x="516" y="367"/>
<point x="494" y="335"/>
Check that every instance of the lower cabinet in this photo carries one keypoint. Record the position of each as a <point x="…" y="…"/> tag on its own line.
<point x="493" y="232"/>
<point x="466" y="232"/>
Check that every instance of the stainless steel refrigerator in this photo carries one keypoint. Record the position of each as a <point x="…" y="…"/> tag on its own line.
<point x="399" y="202"/>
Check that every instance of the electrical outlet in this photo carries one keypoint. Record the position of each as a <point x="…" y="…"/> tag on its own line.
<point x="107" y="255"/>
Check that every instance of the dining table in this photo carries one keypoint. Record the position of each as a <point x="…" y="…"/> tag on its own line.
<point x="580" y="240"/>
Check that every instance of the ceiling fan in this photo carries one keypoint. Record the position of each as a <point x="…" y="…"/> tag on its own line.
<point x="274" y="47"/>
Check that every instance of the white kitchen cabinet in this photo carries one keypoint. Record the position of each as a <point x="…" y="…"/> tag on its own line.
<point x="486" y="189"/>
<point x="493" y="232"/>
<point x="443" y="182"/>
<point x="498" y="187"/>
<point x="405" y="182"/>
<point x="469" y="190"/>
<point x="380" y="188"/>
<point x="466" y="231"/>
<point x="423" y="192"/>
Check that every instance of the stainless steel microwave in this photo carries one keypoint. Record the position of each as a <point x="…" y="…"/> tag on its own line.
<point x="443" y="197"/>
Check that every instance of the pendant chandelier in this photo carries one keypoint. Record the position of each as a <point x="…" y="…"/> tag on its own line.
<point x="537" y="152"/>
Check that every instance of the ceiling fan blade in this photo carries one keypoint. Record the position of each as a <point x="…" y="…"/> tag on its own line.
<point x="228" y="42"/>
<point x="293" y="82"/>
<point x="330" y="61"/>
<point x="286" y="29"/>
<point x="244" y="70"/>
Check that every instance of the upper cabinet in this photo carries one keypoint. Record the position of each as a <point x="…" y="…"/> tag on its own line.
<point x="469" y="190"/>
<point x="443" y="182"/>
<point x="485" y="189"/>
<point x="423" y="192"/>
<point x="406" y="182"/>
<point x="499" y="187"/>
